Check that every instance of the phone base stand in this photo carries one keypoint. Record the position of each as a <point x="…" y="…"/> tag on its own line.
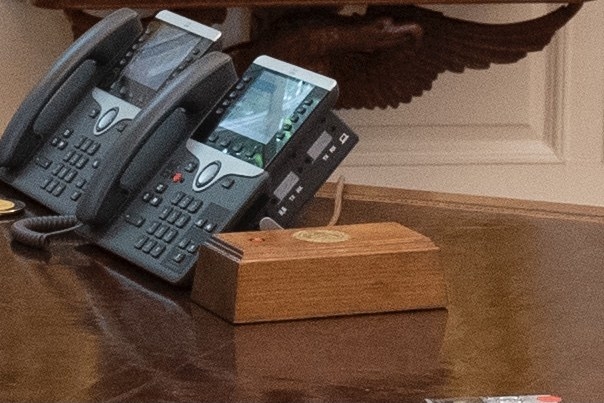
<point x="263" y="276"/>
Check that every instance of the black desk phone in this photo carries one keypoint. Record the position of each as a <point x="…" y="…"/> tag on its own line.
<point x="151" y="141"/>
<point x="105" y="89"/>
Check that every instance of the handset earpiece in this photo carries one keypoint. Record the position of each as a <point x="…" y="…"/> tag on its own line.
<point x="167" y="121"/>
<point x="70" y="76"/>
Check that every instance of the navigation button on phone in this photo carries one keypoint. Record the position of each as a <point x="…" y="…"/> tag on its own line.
<point x="207" y="174"/>
<point x="107" y="118"/>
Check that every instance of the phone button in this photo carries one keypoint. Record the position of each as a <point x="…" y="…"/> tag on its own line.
<point x="207" y="174"/>
<point x="107" y="118"/>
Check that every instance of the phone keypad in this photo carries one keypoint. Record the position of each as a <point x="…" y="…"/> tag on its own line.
<point x="77" y="153"/>
<point x="171" y="228"/>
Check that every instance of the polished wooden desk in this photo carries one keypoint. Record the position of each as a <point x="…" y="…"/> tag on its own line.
<point x="525" y="315"/>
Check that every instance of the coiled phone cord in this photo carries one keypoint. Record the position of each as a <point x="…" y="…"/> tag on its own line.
<point x="35" y="231"/>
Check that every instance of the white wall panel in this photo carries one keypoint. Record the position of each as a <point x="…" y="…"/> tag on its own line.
<point x="532" y="130"/>
<point x="30" y="40"/>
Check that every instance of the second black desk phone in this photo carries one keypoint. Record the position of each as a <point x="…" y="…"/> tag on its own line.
<point x="149" y="138"/>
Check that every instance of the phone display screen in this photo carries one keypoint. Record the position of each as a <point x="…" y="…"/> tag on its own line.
<point x="262" y="110"/>
<point x="152" y="61"/>
<point x="160" y="56"/>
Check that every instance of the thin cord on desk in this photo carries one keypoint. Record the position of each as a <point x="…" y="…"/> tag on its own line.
<point x="338" y="198"/>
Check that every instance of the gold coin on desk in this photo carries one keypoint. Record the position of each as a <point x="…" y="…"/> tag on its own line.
<point x="6" y="205"/>
<point x="10" y="207"/>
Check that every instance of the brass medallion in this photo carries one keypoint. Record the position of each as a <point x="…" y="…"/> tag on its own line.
<point x="6" y="205"/>
<point x="321" y="236"/>
<point x="10" y="207"/>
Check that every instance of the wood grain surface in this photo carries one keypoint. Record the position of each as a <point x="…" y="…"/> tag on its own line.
<point x="525" y="315"/>
<point x="274" y="275"/>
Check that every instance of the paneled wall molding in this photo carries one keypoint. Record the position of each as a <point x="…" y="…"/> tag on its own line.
<point x="555" y="108"/>
<point x="409" y="151"/>
<point x="535" y="136"/>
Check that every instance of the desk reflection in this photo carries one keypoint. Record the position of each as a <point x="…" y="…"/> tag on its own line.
<point x="525" y="316"/>
<point x="81" y="324"/>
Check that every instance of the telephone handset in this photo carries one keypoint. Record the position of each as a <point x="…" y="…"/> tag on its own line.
<point x="58" y="92"/>
<point x="142" y="72"/>
<point x="219" y="177"/>
<point x="153" y="135"/>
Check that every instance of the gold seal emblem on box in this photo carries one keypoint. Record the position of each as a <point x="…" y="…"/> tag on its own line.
<point x="321" y="236"/>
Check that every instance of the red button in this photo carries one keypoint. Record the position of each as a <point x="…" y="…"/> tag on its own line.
<point x="177" y="178"/>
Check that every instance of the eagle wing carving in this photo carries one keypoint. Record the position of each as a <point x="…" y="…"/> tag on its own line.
<point x="392" y="53"/>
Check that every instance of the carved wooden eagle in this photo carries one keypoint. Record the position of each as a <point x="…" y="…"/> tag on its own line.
<point x="391" y="53"/>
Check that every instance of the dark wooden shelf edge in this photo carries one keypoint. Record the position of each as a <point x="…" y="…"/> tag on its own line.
<point x="466" y="202"/>
<point x="108" y="4"/>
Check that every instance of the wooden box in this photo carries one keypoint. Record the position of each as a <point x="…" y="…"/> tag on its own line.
<point x="275" y="275"/>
